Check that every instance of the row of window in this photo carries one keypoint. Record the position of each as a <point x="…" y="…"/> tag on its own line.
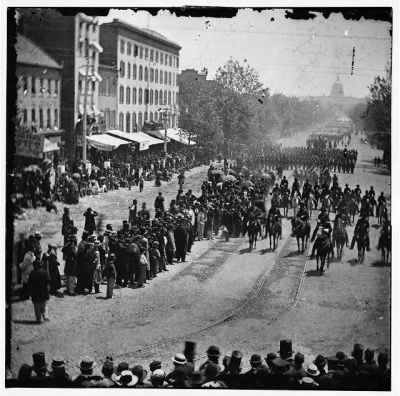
<point x="108" y="87"/>
<point x="166" y="78"/>
<point x="145" y="96"/>
<point x="39" y="86"/>
<point x="146" y="53"/>
<point x="43" y="118"/>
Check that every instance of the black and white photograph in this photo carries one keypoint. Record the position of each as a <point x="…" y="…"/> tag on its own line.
<point x="199" y="197"/>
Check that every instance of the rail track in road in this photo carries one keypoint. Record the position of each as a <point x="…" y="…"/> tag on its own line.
<point x="286" y="262"/>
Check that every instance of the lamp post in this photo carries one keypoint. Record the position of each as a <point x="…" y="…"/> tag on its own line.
<point x="165" y="113"/>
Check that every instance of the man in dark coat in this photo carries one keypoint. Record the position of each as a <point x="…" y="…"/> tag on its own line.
<point x="70" y="253"/>
<point x="39" y="290"/>
<point x="82" y="269"/>
<point x="159" y="202"/>
<point x="181" y="241"/>
<point x="90" y="224"/>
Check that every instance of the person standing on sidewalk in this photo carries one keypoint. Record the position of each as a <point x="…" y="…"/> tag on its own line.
<point x="90" y="224"/>
<point x="141" y="183"/>
<point x="110" y="274"/>
<point x="70" y="253"/>
<point x="39" y="290"/>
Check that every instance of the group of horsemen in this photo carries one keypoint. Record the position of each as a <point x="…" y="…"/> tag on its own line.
<point x="344" y="202"/>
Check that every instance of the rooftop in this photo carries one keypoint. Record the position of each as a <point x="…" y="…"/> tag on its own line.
<point x="30" y="54"/>
<point x="145" y="32"/>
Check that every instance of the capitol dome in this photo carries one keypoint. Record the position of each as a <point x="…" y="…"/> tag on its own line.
<point x="337" y="88"/>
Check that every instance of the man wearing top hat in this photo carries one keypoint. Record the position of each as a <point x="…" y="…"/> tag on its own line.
<point x="39" y="290"/>
<point x="256" y="377"/>
<point x="86" y="378"/>
<point x="181" y="239"/>
<point x="59" y="378"/>
<point x="41" y="379"/>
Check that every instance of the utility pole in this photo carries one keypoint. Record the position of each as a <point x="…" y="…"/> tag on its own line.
<point x="84" y="121"/>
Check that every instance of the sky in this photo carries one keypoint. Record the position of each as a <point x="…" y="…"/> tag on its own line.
<point x="294" y="57"/>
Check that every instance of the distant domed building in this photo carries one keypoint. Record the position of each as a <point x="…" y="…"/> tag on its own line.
<point x="337" y="88"/>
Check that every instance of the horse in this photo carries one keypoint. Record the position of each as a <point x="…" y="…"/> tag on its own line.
<point x="285" y="202"/>
<point x="301" y="230"/>
<point x="382" y="213"/>
<point x="339" y="236"/>
<point x="385" y="245"/>
<point x="274" y="229"/>
<point x="323" y="247"/>
<point x="275" y="200"/>
<point x="310" y="204"/>
<point x="361" y="246"/>
<point x="353" y="209"/>
<point x="253" y="229"/>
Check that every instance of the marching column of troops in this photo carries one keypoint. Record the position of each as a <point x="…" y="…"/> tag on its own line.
<point x="363" y="369"/>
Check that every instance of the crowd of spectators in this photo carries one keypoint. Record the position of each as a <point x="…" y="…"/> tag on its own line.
<point x="362" y="370"/>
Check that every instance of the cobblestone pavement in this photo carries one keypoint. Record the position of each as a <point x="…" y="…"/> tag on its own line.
<point x="224" y="295"/>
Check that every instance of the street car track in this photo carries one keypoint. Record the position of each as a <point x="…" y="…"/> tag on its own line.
<point x="143" y="350"/>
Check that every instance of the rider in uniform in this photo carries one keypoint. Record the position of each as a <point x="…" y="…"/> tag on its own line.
<point x="381" y="200"/>
<point x="302" y="214"/>
<point x="342" y="216"/>
<point x="284" y="182"/>
<point x="275" y="212"/>
<point x="323" y="223"/>
<point x="362" y="227"/>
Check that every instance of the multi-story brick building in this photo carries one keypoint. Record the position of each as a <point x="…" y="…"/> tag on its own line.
<point x="39" y="82"/>
<point x="73" y="41"/>
<point x="148" y="65"/>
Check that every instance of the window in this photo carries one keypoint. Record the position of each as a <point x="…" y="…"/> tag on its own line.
<point x="121" y="122"/>
<point x="146" y="74"/>
<point x="80" y="87"/>
<point x="173" y="97"/>
<point x="145" y="116"/>
<point x="134" y="126"/>
<point x="166" y="59"/>
<point x="169" y="78"/>
<point x="161" y="77"/>
<point x="140" y="96"/>
<point x="93" y="86"/>
<point x="128" y="122"/>
<point x="134" y="72"/>
<point x="94" y="56"/>
<point x="56" y="83"/>
<point x="156" y="76"/>
<point x="157" y="56"/>
<point x="55" y="118"/>
<point x="41" y="118"/>
<point x="151" y="96"/>
<point x="140" y="73"/>
<point x="151" y="55"/>
<point x="165" y="98"/>
<point x="122" y="68"/>
<point x="113" y="119"/>
<point x="177" y="62"/>
<point x="129" y="48"/>
<point x="156" y="97"/>
<point x="33" y="86"/>
<point x="128" y="95"/>
<point x="24" y="85"/>
<point x="146" y="53"/>
<point x="161" y="57"/>
<point x="151" y="74"/>
<point x="151" y="116"/>
<point x="135" y="50"/>
<point x="146" y="96"/>
<point x="155" y="116"/>
<point x="33" y="115"/>
<point x="41" y="87"/>
<point x="169" y="98"/>
<point x="141" y="52"/>
<point x="48" y="121"/>
<point x="129" y="70"/>
<point x="165" y="78"/>
<point x="140" y="121"/>
<point x="122" y="46"/>
<point x="121" y="94"/>
<point x="170" y="60"/>
<point x="160" y="101"/>
<point x="134" y="96"/>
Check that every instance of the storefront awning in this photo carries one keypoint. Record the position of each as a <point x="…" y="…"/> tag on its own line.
<point x="49" y="146"/>
<point x="105" y="142"/>
<point x="144" y="141"/>
<point x="177" y="135"/>
<point x="157" y="134"/>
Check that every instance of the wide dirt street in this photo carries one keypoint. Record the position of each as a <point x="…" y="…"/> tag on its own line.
<point x="223" y="295"/>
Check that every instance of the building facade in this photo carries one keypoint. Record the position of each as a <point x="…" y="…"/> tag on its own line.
<point x="72" y="41"/>
<point x="38" y="90"/>
<point x="147" y="65"/>
<point x="108" y="96"/>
